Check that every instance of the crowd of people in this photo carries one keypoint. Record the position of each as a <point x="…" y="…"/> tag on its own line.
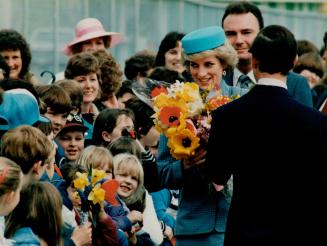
<point x="259" y="180"/>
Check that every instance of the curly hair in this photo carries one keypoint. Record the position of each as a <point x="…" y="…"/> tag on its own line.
<point x="110" y="74"/>
<point x="12" y="40"/>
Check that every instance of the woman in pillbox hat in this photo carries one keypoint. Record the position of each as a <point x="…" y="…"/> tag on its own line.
<point x="203" y="207"/>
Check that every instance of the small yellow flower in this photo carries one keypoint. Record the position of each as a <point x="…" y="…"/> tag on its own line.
<point x="190" y="92"/>
<point x="97" y="175"/>
<point x="183" y="144"/>
<point x="97" y="195"/>
<point x="81" y="181"/>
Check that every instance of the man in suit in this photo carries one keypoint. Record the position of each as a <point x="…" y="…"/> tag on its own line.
<point x="279" y="181"/>
<point x="241" y="23"/>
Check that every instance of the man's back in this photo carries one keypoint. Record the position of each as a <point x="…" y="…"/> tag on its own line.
<point x="297" y="86"/>
<point x="279" y="179"/>
<point x="277" y="144"/>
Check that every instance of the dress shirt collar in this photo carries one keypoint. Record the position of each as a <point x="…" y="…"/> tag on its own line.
<point x="238" y="73"/>
<point x="272" y="82"/>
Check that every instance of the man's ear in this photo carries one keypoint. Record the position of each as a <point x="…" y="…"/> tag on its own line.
<point x="36" y="169"/>
<point x="255" y="63"/>
<point x="106" y="136"/>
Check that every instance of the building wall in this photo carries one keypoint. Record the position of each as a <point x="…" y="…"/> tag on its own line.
<point x="49" y="24"/>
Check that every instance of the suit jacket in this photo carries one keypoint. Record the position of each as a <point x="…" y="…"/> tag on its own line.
<point x="297" y="86"/>
<point x="279" y="179"/>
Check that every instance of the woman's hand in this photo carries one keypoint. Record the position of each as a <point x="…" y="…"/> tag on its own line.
<point x="197" y="159"/>
<point x="168" y="232"/>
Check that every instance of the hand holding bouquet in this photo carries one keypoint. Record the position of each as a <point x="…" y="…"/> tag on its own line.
<point x="183" y="116"/>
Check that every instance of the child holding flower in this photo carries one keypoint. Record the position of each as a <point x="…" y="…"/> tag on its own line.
<point x="128" y="172"/>
<point x="76" y="177"/>
<point x="97" y="156"/>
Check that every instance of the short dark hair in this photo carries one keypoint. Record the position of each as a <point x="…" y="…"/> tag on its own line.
<point x="12" y="40"/>
<point x="143" y="115"/>
<point x="306" y="46"/>
<point x="140" y="63"/>
<point x="54" y="97"/>
<point x="125" y="144"/>
<point x="165" y="74"/>
<point x="69" y="170"/>
<point x="310" y="61"/>
<point x="167" y="43"/>
<point x="243" y="7"/>
<point x="126" y="87"/>
<point x="275" y="49"/>
<point x="106" y="121"/>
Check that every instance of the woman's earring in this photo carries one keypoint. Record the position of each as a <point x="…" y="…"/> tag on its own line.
<point x="224" y="73"/>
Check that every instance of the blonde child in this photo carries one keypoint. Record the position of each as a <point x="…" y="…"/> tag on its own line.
<point x="99" y="157"/>
<point x="128" y="172"/>
<point x="104" y="231"/>
<point x="10" y="186"/>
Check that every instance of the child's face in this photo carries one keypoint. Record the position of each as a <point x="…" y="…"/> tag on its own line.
<point x="151" y="138"/>
<point x="11" y="199"/>
<point x="127" y="184"/>
<point x="74" y="197"/>
<point x="90" y="86"/>
<point x="72" y="143"/>
<point x="105" y="167"/>
<point x="123" y="122"/>
<point x="50" y="163"/>
<point x="58" y="120"/>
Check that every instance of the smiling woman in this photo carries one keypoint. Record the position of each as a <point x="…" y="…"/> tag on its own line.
<point x="16" y="52"/>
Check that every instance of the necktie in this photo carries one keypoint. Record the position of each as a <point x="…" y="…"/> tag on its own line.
<point x="245" y="82"/>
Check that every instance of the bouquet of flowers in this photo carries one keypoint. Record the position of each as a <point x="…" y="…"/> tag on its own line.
<point x="94" y="190"/>
<point x="183" y="116"/>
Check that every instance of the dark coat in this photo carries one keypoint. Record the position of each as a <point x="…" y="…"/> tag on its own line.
<point x="279" y="178"/>
<point x="297" y="86"/>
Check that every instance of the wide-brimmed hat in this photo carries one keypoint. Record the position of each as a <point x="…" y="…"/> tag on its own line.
<point x="202" y="39"/>
<point x="90" y="28"/>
